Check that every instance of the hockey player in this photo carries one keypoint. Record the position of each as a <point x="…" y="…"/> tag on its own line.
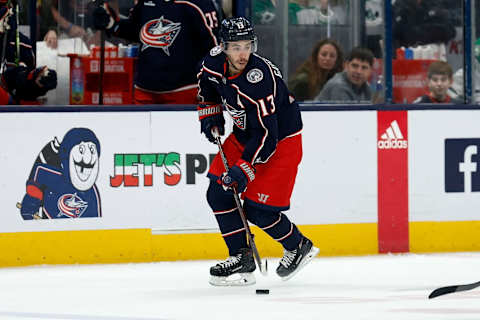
<point x="21" y="82"/>
<point x="174" y="36"/>
<point x="263" y="152"/>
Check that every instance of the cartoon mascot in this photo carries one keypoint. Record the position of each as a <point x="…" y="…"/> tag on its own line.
<point x="62" y="181"/>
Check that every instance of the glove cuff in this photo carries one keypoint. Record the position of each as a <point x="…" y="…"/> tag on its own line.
<point x="247" y="169"/>
<point x="208" y="110"/>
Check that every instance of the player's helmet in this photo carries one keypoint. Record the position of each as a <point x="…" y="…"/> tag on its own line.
<point x="236" y="29"/>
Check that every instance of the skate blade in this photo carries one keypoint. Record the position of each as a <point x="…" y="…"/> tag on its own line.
<point x="310" y="255"/>
<point x="234" y="280"/>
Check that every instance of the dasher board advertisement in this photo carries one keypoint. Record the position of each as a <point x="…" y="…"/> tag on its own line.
<point x="444" y="163"/>
<point x="118" y="170"/>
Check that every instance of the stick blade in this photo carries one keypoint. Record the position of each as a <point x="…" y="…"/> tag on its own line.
<point x="441" y="291"/>
<point x="450" y="289"/>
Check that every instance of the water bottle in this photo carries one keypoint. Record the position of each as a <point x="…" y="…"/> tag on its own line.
<point x="408" y="53"/>
<point x="77" y="82"/>
<point x="379" y="84"/>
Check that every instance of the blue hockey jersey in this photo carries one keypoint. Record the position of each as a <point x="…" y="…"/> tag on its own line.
<point x="61" y="198"/>
<point x="257" y="99"/>
<point x="174" y="37"/>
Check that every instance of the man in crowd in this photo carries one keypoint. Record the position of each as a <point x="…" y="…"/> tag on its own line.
<point x="351" y="85"/>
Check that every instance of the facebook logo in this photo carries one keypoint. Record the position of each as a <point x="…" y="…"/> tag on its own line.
<point x="462" y="172"/>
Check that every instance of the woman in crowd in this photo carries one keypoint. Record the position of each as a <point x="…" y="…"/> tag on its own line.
<point x="325" y="61"/>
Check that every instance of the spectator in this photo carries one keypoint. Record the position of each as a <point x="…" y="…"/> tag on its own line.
<point x="351" y="84"/>
<point x="174" y="37"/>
<point x="440" y="78"/>
<point x="325" y="61"/>
<point x="420" y="22"/>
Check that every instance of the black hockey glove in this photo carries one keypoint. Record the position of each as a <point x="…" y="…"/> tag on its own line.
<point x="238" y="176"/>
<point x="211" y="116"/>
<point x="104" y="17"/>
<point x="44" y="78"/>
<point x="29" y="85"/>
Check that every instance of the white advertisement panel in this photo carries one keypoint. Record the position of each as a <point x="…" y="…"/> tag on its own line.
<point x="444" y="176"/>
<point x="337" y="179"/>
<point x="147" y="170"/>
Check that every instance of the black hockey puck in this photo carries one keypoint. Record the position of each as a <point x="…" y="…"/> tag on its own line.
<point x="262" y="291"/>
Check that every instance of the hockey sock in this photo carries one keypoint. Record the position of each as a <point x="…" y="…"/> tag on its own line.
<point x="276" y="225"/>
<point x="228" y="217"/>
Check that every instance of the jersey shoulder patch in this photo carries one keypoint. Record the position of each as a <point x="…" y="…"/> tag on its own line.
<point x="215" y="51"/>
<point x="255" y="75"/>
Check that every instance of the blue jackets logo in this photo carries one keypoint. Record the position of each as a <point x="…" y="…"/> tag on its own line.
<point x="159" y="33"/>
<point x="462" y="173"/>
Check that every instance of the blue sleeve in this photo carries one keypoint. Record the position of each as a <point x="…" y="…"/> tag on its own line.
<point x="206" y="90"/>
<point x="44" y="175"/>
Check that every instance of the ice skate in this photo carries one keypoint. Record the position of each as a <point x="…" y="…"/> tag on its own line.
<point x="237" y="270"/>
<point x="295" y="260"/>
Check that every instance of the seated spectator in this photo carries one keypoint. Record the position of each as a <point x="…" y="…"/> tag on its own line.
<point x="440" y="78"/>
<point x="325" y="61"/>
<point x="351" y="84"/>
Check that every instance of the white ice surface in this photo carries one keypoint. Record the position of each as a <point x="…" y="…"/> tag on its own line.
<point x="387" y="287"/>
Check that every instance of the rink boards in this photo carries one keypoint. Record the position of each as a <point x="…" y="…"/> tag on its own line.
<point x="370" y="182"/>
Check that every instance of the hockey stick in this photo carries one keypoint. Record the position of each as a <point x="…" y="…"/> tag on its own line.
<point x="450" y="289"/>
<point x="102" y="59"/>
<point x="5" y="37"/>
<point x="263" y="268"/>
<point x="17" y="35"/>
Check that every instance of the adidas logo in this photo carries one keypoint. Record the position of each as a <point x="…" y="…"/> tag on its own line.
<point x="392" y="138"/>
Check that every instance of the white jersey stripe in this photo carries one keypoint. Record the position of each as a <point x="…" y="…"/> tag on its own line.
<point x="255" y="155"/>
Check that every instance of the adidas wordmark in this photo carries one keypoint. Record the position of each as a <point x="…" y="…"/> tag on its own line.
<point x="392" y="138"/>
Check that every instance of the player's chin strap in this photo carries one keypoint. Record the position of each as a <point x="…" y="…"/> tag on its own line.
<point x="262" y="267"/>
